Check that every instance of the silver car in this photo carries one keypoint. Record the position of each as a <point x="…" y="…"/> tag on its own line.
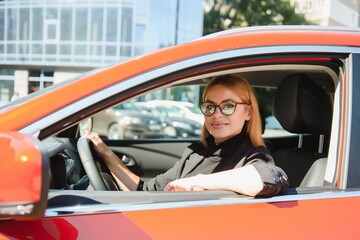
<point x="126" y="121"/>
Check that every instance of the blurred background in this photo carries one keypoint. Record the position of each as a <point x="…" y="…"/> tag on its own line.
<point x="43" y="42"/>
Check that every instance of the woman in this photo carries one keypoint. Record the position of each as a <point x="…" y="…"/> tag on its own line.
<point x="231" y="154"/>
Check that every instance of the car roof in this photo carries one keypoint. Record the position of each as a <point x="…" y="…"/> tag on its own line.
<point x="287" y="28"/>
<point x="244" y="38"/>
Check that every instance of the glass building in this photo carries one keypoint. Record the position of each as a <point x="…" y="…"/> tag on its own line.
<point x="47" y="41"/>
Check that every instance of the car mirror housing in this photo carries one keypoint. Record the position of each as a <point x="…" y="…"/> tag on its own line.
<point x="24" y="171"/>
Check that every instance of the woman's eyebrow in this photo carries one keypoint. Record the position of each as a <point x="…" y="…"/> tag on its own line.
<point x="225" y="100"/>
<point x="228" y="100"/>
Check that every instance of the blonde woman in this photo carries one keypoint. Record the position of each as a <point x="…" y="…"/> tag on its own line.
<point x="231" y="155"/>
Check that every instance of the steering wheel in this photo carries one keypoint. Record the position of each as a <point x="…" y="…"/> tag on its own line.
<point x="98" y="180"/>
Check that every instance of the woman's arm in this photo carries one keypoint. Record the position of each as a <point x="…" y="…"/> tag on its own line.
<point x="123" y="176"/>
<point x="244" y="180"/>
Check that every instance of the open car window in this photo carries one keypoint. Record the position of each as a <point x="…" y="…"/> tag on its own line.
<point x="165" y="113"/>
<point x="150" y="132"/>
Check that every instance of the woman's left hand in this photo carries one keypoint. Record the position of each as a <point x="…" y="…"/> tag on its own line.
<point x="186" y="184"/>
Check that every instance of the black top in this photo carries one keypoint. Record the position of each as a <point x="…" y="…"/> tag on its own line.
<point x="236" y="152"/>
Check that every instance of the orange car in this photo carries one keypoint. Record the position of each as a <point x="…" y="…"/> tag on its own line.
<point x="307" y="77"/>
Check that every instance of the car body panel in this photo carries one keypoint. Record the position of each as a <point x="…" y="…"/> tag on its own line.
<point x="78" y="227"/>
<point x="259" y="220"/>
<point x="262" y="221"/>
<point x="329" y="211"/>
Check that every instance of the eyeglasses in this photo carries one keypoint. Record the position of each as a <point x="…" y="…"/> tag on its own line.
<point x="227" y="108"/>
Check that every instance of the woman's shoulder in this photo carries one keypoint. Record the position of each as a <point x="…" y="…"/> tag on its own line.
<point x="260" y="149"/>
<point x="259" y="152"/>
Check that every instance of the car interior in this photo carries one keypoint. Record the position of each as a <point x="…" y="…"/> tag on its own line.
<point x="298" y="92"/>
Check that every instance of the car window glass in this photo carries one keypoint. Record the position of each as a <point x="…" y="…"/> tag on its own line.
<point x="272" y="127"/>
<point x="169" y="113"/>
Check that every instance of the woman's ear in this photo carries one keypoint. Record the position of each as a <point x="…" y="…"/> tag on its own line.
<point x="248" y="113"/>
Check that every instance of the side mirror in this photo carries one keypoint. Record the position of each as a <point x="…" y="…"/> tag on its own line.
<point x="24" y="171"/>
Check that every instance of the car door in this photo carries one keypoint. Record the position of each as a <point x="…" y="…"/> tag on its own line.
<point x="150" y="158"/>
<point x="291" y="210"/>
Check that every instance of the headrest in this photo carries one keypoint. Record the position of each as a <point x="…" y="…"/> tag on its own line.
<point x="302" y="106"/>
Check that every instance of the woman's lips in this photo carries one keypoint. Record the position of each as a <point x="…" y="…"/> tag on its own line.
<point x="218" y="125"/>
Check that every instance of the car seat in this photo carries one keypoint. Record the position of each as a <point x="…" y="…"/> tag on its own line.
<point x="302" y="107"/>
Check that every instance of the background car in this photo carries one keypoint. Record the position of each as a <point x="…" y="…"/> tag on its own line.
<point x="174" y="123"/>
<point x="314" y="74"/>
<point x="187" y="110"/>
<point x="126" y="121"/>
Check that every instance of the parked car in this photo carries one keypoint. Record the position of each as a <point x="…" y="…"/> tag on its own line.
<point x="186" y="109"/>
<point x="174" y="123"/>
<point x="126" y="121"/>
<point x="314" y="72"/>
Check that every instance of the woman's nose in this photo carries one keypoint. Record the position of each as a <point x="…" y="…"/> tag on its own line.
<point x="217" y="112"/>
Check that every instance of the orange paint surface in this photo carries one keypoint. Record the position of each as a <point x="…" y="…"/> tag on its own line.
<point x="21" y="173"/>
<point x="3" y="237"/>
<point x="307" y="219"/>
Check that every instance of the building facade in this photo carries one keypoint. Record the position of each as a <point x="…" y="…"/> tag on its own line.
<point x="330" y="12"/>
<point x="46" y="41"/>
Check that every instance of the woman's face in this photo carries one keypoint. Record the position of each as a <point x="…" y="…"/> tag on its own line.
<point x="220" y="126"/>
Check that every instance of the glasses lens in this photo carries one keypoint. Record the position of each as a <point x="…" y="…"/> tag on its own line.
<point x="207" y="109"/>
<point x="227" y="108"/>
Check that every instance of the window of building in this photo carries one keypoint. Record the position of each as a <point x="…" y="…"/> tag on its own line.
<point x="6" y="90"/>
<point x="24" y="24"/>
<point x="2" y="24"/>
<point x="110" y="51"/>
<point x="50" y="49"/>
<point x="65" y="49"/>
<point x="51" y="30"/>
<point x="80" y="24"/>
<point x="35" y="86"/>
<point x="80" y="49"/>
<point x="66" y="24"/>
<point x="36" y="49"/>
<point x="11" y="24"/>
<point x="37" y="24"/>
<point x="96" y="33"/>
<point x="125" y="51"/>
<point x="39" y="79"/>
<point x="126" y="24"/>
<point x="11" y="48"/>
<point x="111" y="24"/>
<point x="6" y="85"/>
<point x="139" y="39"/>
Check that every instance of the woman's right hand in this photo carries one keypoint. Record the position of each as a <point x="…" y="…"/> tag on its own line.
<point x="126" y="179"/>
<point x="100" y="147"/>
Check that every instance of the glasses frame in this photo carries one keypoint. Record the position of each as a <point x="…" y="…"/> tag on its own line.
<point x="221" y="110"/>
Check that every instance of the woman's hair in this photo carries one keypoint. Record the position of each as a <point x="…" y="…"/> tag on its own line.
<point x="241" y="88"/>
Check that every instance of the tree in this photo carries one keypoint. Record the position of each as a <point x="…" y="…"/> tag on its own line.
<point x="225" y="14"/>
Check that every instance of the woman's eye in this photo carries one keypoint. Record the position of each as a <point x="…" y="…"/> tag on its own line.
<point x="210" y="107"/>
<point x="228" y="106"/>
